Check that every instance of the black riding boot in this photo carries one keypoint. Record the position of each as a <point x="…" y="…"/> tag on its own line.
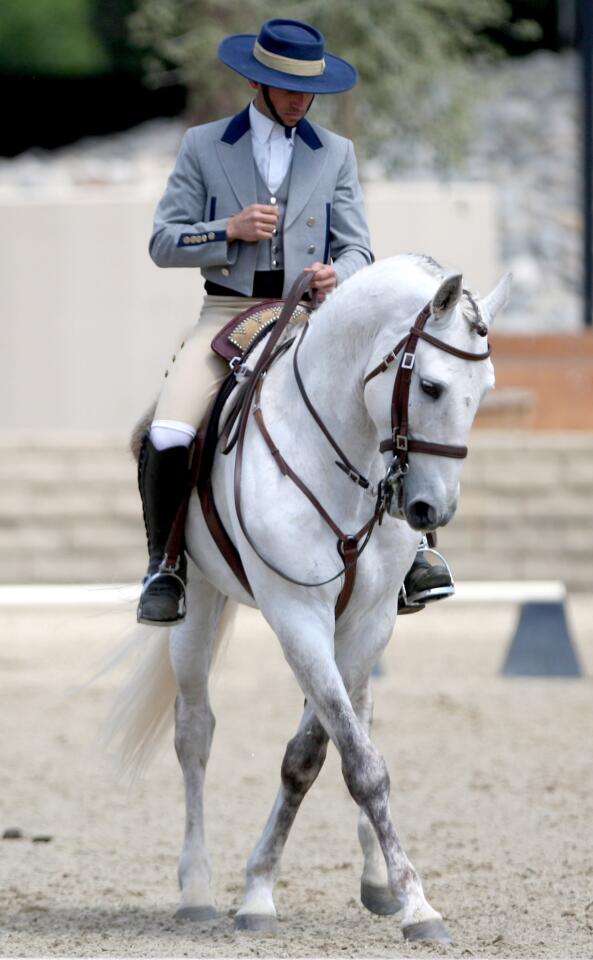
<point x="162" y="479"/>
<point x="425" y="582"/>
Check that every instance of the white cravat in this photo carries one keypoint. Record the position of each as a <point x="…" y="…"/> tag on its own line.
<point x="272" y="149"/>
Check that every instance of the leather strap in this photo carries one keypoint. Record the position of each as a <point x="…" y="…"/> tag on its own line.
<point x="400" y="443"/>
<point x="345" y="463"/>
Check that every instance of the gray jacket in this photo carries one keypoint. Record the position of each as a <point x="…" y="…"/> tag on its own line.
<point x="213" y="179"/>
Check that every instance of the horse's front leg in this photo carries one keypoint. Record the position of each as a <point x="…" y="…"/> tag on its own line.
<point x="375" y="892"/>
<point x="308" y="647"/>
<point x="302" y="762"/>
<point x="191" y="646"/>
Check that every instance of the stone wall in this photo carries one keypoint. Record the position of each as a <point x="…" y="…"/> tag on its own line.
<point x="70" y="513"/>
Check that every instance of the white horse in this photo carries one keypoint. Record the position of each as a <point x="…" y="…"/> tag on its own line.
<point x="332" y="660"/>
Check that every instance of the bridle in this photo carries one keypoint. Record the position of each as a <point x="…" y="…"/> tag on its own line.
<point x="349" y="546"/>
<point x="400" y="443"/>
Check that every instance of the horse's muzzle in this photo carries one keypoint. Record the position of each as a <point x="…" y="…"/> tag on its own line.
<point x="424" y="516"/>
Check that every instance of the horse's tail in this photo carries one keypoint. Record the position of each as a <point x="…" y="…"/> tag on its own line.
<point x="142" y="712"/>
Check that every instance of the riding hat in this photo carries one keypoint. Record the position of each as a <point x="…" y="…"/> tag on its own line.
<point x="288" y="55"/>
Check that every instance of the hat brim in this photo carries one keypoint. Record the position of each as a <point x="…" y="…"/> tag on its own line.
<point x="237" y="53"/>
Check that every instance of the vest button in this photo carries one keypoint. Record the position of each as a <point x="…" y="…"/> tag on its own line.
<point x="275" y="232"/>
<point x="274" y="263"/>
<point x="225" y="272"/>
<point x="273" y="200"/>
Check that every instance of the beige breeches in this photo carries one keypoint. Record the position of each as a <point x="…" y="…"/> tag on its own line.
<point x="195" y="371"/>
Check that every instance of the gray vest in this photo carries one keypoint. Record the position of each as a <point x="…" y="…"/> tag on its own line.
<point x="270" y="253"/>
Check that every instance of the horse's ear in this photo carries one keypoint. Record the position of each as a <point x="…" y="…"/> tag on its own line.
<point x="447" y="296"/>
<point x="497" y="298"/>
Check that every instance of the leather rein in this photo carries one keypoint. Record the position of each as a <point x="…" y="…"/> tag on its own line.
<point x="349" y="546"/>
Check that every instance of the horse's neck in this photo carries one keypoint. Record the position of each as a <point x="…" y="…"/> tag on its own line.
<point x="332" y="359"/>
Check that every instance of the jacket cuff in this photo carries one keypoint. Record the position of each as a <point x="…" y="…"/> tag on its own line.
<point x="211" y="238"/>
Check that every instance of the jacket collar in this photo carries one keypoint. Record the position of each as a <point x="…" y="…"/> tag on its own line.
<point x="239" y="125"/>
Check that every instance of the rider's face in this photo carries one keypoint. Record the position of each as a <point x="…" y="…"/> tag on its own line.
<point x="289" y="105"/>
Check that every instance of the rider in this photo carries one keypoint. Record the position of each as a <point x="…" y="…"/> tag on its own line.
<point x="252" y="201"/>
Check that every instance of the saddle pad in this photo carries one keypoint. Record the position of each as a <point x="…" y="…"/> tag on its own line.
<point x="235" y="338"/>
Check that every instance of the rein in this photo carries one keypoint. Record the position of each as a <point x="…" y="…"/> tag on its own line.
<point x="349" y="546"/>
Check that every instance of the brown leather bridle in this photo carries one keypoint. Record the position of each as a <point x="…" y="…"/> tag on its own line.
<point x="349" y="546"/>
<point x="400" y="443"/>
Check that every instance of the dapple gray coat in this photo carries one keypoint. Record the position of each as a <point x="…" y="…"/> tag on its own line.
<point x="214" y="178"/>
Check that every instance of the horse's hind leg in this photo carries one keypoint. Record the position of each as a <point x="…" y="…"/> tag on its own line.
<point x="302" y="762"/>
<point x="375" y="891"/>
<point x="192" y="646"/>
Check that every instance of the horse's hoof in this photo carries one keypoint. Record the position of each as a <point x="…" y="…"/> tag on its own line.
<point x="434" y="930"/>
<point x="379" y="899"/>
<point x="196" y="913"/>
<point x="261" y="923"/>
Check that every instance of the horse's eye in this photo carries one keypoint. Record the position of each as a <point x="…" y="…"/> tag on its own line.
<point x="433" y="390"/>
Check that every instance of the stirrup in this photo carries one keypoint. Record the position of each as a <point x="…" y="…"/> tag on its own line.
<point x="405" y="606"/>
<point x="434" y="593"/>
<point x="417" y="601"/>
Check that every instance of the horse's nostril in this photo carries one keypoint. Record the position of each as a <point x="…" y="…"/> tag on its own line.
<point x="422" y="516"/>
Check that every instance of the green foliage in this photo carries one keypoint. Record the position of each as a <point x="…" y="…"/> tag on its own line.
<point x="411" y="56"/>
<point x="109" y="18"/>
<point x="49" y="37"/>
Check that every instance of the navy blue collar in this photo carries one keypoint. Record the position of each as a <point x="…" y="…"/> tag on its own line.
<point x="239" y="126"/>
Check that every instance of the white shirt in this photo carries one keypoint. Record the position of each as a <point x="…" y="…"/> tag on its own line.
<point x="272" y="149"/>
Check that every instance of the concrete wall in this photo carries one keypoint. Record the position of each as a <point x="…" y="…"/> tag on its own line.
<point x="70" y="510"/>
<point x="87" y="322"/>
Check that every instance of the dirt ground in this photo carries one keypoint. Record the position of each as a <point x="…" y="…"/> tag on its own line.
<point x="492" y="793"/>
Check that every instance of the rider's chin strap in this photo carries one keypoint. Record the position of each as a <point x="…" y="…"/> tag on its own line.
<point x="287" y="130"/>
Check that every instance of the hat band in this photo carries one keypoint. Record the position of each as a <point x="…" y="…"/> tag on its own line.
<point x="298" y="68"/>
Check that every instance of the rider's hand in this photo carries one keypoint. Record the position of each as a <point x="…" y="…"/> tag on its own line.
<point x="325" y="280"/>
<point x="256" y="222"/>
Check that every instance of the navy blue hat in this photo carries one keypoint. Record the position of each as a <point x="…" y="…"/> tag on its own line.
<point x="288" y="55"/>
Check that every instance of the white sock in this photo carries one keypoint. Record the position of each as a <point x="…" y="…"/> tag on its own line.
<point x="171" y="433"/>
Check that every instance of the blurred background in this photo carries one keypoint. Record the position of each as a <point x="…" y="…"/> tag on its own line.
<point x="467" y="124"/>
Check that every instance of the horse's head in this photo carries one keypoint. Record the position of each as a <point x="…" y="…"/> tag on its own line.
<point x="423" y="397"/>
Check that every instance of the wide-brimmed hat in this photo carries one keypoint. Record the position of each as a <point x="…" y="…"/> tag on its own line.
<point x="289" y="55"/>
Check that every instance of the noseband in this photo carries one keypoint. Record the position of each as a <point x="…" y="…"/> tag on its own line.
<point x="400" y="442"/>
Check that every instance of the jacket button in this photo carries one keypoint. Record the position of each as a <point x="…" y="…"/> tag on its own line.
<point x="211" y="236"/>
<point x="311" y="222"/>
<point x="311" y="249"/>
<point x="187" y="240"/>
<point x="225" y="272"/>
